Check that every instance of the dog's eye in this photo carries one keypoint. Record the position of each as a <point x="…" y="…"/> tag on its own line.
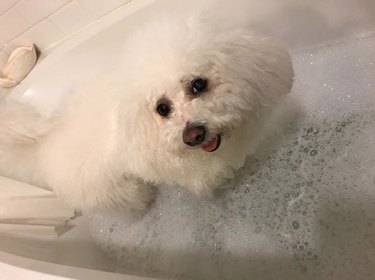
<point x="163" y="109"/>
<point x="198" y="85"/>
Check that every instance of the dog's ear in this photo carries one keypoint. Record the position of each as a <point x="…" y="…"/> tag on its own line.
<point x="262" y="63"/>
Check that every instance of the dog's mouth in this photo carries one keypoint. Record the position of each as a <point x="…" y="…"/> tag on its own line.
<point x="213" y="144"/>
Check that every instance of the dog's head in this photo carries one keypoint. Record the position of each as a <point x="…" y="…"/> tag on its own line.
<point x="198" y="86"/>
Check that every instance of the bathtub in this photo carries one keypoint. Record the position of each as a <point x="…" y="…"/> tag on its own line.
<point x="303" y="25"/>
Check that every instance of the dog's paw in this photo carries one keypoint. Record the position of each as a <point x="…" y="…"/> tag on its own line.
<point x="136" y="195"/>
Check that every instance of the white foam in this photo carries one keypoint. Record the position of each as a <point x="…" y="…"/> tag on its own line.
<point x="304" y="210"/>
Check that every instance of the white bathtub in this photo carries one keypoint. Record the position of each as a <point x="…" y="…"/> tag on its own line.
<point x="301" y="23"/>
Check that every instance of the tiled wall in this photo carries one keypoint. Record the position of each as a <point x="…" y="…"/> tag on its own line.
<point x="45" y="22"/>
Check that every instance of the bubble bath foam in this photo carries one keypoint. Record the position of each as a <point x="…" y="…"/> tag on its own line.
<point x="305" y="209"/>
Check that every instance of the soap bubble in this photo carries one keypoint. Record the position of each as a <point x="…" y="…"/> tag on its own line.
<point x="305" y="203"/>
<point x="295" y="225"/>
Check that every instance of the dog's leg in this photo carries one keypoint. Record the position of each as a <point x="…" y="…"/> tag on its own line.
<point x="20" y="124"/>
<point x="106" y="192"/>
<point x="136" y="194"/>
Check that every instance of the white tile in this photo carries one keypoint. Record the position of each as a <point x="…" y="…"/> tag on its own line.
<point x="19" y="41"/>
<point x="35" y="10"/>
<point x="71" y="17"/>
<point x="44" y="34"/>
<point x="6" y="4"/>
<point x="61" y="3"/>
<point x="11" y="25"/>
<point x="99" y="8"/>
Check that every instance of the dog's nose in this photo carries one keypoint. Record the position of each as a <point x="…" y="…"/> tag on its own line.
<point x="194" y="135"/>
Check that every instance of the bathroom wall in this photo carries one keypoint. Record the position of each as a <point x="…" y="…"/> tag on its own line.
<point x="297" y="22"/>
<point x="45" y="22"/>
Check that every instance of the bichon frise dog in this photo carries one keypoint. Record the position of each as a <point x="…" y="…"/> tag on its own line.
<point x="184" y="107"/>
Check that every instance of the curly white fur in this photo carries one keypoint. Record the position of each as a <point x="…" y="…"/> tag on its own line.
<point x="108" y="146"/>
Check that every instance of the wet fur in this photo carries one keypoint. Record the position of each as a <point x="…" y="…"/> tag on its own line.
<point x="107" y="146"/>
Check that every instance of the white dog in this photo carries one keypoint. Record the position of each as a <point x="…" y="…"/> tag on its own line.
<point x="184" y="107"/>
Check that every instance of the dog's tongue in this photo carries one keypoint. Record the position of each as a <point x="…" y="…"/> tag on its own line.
<point x="210" y="146"/>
